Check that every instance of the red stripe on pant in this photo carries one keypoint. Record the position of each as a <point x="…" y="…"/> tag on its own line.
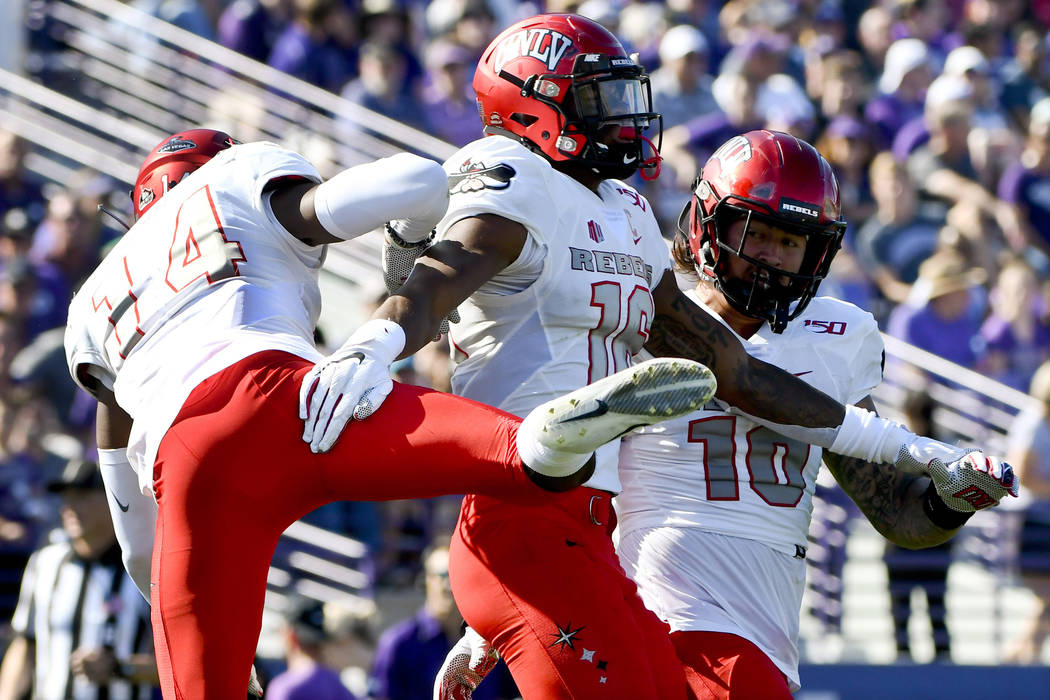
<point x="723" y="666"/>
<point x="233" y="473"/>
<point x="544" y="585"/>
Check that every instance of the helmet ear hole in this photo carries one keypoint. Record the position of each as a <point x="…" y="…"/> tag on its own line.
<point x="525" y="120"/>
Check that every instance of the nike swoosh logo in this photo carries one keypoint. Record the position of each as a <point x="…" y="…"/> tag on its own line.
<point x="123" y="508"/>
<point x="799" y="374"/>
<point x="627" y="160"/>
<point x="601" y="409"/>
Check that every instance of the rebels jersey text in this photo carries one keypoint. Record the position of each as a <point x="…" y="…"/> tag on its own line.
<point x="207" y="277"/>
<point x="575" y="306"/>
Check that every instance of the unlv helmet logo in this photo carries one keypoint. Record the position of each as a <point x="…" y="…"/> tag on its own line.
<point x="545" y="45"/>
<point x="176" y="144"/>
<point x="733" y="152"/>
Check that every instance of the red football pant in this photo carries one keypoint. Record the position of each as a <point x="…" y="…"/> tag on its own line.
<point x="544" y="586"/>
<point x="722" y="666"/>
<point x="233" y="473"/>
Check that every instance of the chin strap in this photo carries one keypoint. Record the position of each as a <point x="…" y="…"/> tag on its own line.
<point x="650" y="167"/>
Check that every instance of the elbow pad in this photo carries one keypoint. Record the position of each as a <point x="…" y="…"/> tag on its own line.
<point x="364" y="197"/>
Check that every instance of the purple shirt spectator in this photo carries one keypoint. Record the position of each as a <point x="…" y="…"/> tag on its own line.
<point x="1025" y="356"/>
<point x="321" y="63"/>
<point x="1030" y="191"/>
<point x="311" y="683"/>
<point x="249" y="27"/>
<point x="889" y="114"/>
<point x="410" y="654"/>
<point x="450" y="108"/>
<point x="957" y="340"/>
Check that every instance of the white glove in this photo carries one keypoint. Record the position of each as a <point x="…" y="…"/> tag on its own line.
<point x="966" y="479"/>
<point x="467" y="664"/>
<point x="350" y="383"/>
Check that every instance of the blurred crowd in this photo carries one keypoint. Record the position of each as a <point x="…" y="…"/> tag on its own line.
<point x="935" y="115"/>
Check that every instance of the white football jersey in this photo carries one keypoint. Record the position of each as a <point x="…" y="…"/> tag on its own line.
<point x="204" y="279"/>
<point x="575" y="306"/>
<point x="717" y="472"/>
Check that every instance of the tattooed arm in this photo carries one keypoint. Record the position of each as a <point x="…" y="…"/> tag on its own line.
<point x="683" y="329"/>
<point x="890" y="499"/>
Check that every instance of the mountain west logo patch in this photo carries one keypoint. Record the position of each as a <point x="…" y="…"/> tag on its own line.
<point x="475" y="177"/>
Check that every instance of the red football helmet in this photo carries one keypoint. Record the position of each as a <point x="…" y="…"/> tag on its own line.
<point x="174" y="158"/>
<point x="561" y="82"/>
<point x="783" y="181"/>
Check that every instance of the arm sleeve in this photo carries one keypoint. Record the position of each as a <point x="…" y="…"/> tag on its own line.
<point x="134" y="516"/>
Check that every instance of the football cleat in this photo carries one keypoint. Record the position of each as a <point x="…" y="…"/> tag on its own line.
<point x="650" y="392"/>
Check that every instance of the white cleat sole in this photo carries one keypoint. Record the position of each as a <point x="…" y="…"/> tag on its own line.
<point x="647" y="393"/>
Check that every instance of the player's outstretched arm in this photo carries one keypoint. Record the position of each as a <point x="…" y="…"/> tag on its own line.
<point x="683" y="329"/>
<point x="410" y="191"/>
<point x="964" y="478"/>
<point x="898" y="504"/>
<point x="354" y="380"/>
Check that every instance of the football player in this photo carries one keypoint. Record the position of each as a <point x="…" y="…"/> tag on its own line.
<point x="194" y="334"/>
<point x="561" y="275"/>
<point x="715" y="508"/>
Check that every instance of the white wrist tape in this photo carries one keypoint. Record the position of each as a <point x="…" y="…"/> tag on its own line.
<point x="364" y="197"/>
<point x="134" y="515"/>
<point x="864" y="435"/>
<point x="380" y="339"/>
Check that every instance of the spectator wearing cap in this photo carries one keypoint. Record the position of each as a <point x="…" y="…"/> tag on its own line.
<point x="906" y="75"/>
<point x="1025" y="188"/>
<point x="943" y="167"/>
<point x="682" y="84"/>
<point x="307" y="677"/>
<point x="450" y="108"/>
<point x="969" y="64"/>
<point x="82" y="628"/>
<point x="944" y="313"/>
<point x="410" y="653"/>
<point x="848" y="145"/>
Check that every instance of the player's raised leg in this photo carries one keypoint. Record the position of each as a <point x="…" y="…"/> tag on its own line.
<point x="554" y="434"/>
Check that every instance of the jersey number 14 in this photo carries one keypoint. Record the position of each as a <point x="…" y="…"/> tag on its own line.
<point x="199" y="253"/>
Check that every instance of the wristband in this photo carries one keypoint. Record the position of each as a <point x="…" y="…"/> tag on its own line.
<point x="940" y="513"/>
<point x="400" y="242"/>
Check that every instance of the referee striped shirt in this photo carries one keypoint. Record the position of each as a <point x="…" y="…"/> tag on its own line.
<point x="67" y="603"/>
